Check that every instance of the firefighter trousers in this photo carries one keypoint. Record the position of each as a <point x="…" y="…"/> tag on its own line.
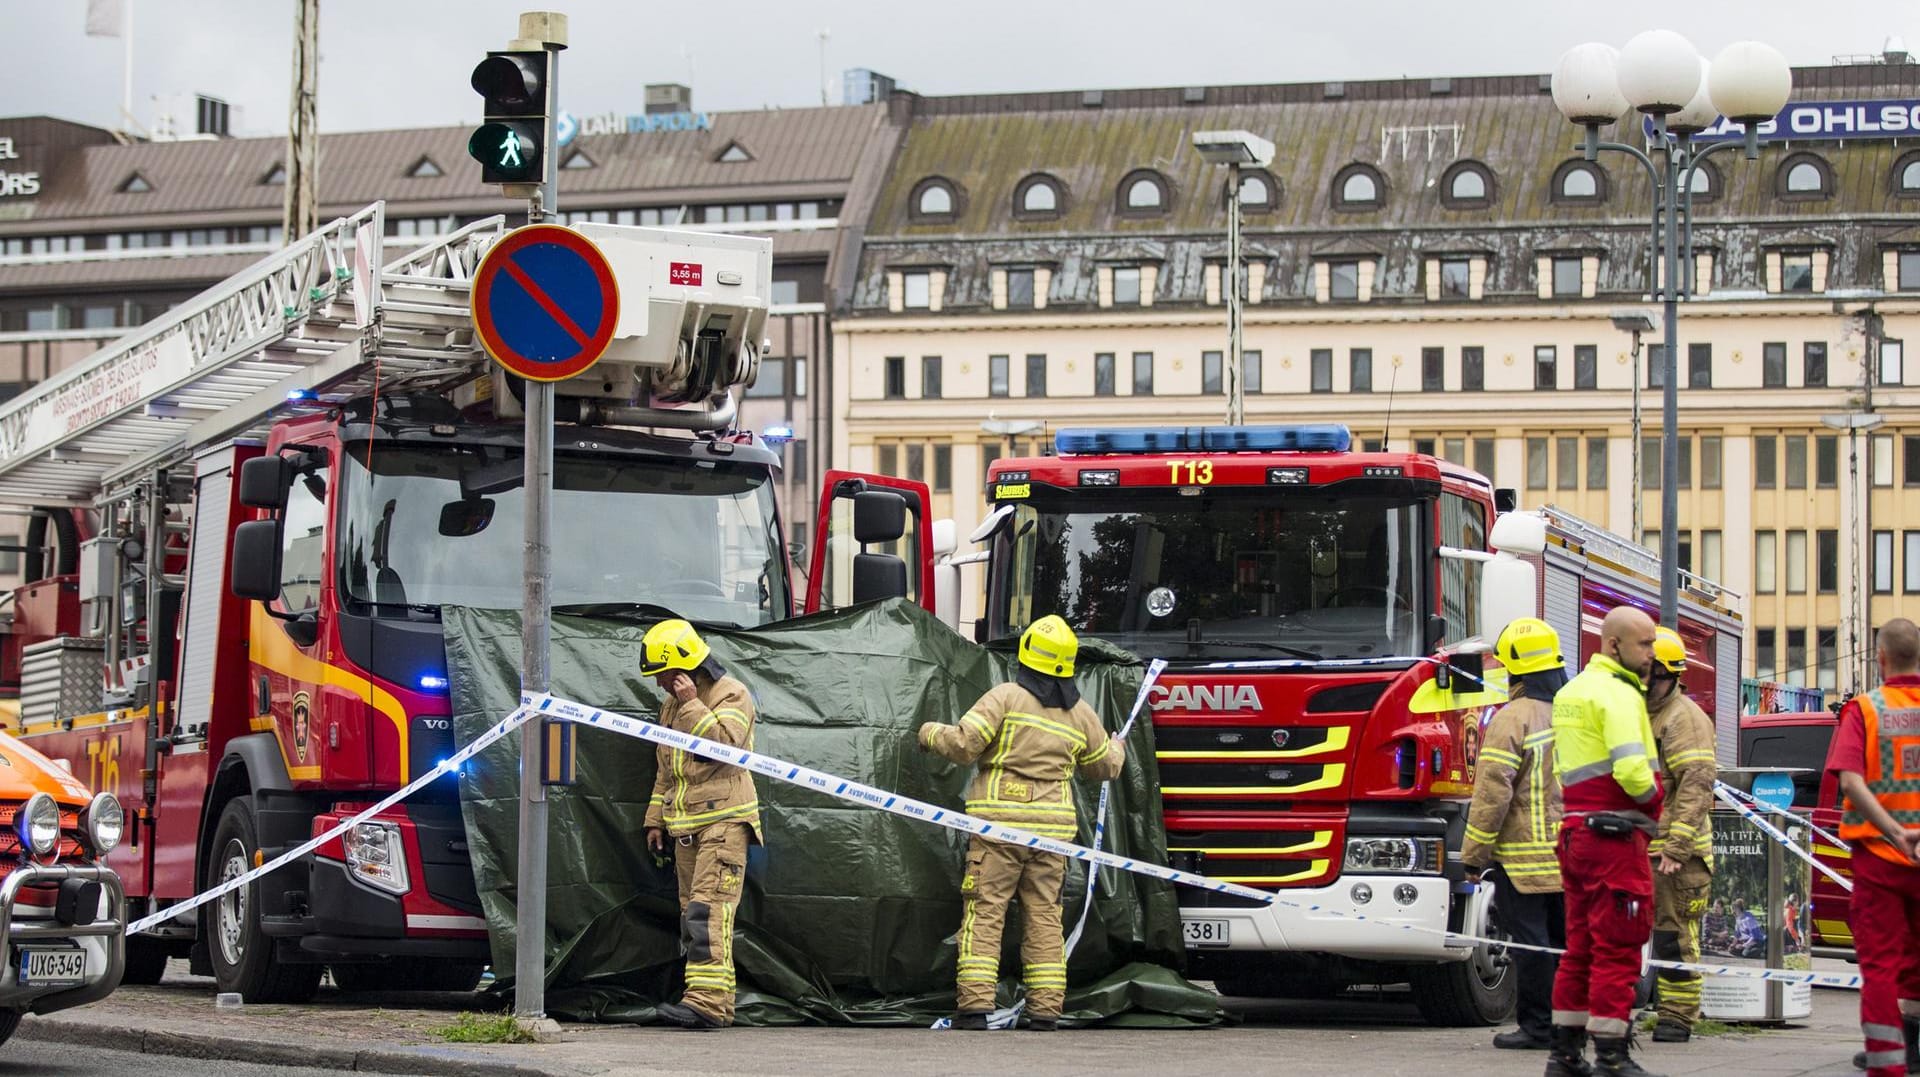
<point x="1679" y="901"/>
<point x="1531" y="920"/>
<point x="1885" y="917"/>
<point x="711" y="864"/>
<point x="1609" y="893"/>
<point x="996" y="874"/>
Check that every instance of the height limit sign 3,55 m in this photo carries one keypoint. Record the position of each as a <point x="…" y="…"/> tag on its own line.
<point x="545" y="302"/>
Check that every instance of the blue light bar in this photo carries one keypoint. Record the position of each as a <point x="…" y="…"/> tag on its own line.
<point x="777" y="435"/>
<point x="432" y="682"/>
<point x="300" y="395"/>
<point x="1324" y="437"/>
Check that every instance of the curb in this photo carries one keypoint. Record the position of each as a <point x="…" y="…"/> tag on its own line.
<point x="425" y="1061"/>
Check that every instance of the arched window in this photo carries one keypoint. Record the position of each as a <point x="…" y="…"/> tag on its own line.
<point x="1143" y="194"/>
<point x="1256" y="191"/>
<point x="1358" y="187"/>
<point x="1579" y="181"/>
<point x="1909" y="177"/>
<point x="1038" y="196"/>
<point x="1702" y="181"/>
<point x="1467" y="184"/>
<point x="1805" y="175"/>
<point x="934" y="199"/>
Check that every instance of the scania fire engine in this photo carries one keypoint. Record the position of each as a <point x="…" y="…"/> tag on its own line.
<point x="1325" y="614"/>
<point x="263" y="500"/>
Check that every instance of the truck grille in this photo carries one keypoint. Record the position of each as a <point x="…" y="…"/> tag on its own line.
<point x="1264" y="853"/>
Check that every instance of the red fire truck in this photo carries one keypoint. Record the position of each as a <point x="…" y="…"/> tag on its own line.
<point x="1325" y="614"/>
<point x="261" y="503"/>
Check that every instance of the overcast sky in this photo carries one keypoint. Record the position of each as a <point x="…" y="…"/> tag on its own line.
<point x="404" y="63"/>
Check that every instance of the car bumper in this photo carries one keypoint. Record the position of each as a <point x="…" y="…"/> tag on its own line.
<point x="1329" y="920"/>
<point x="102" y="938"/>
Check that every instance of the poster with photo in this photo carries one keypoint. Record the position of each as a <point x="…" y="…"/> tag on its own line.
<point x="1758" y="915"/>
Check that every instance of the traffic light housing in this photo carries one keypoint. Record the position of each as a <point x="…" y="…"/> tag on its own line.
<point x="511" y="144"/>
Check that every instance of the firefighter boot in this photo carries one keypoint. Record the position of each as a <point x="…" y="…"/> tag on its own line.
<point x="1670" y="1030"/>
<point x="1911" y="1026"/>
<point x="1611" y="1059"/>
<point x="1569" y="1057"/>
<point x="970" y="1022"/>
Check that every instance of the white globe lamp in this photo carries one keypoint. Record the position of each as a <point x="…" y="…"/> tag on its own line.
<point x="1585" y="88"/>
<point x="1659" y="72"/>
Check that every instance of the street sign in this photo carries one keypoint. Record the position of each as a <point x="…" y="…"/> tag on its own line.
<point x="545" y="302"/>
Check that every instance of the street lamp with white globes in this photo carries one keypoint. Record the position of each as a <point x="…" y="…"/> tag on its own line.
<point x="1660" y="74"/>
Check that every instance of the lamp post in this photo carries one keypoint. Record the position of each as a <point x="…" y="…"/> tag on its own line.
<point x="1659" y="74"/>
<point x="1860" y="616"/>
<point x="1235" y="149"/>
<point x="1635" y="322"/>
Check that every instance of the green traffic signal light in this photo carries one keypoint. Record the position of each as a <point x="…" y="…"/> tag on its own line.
<point x="514" y="88"/>
<point x="508" y="152"/>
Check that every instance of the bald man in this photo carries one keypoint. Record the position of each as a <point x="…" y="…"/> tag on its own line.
<point x="1610" y="786"/>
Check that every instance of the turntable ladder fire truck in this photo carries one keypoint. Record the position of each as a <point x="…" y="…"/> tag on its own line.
<point x="262" y="501"/>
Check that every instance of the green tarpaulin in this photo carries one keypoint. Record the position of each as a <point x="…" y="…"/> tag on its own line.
<point x="850" y="913"/>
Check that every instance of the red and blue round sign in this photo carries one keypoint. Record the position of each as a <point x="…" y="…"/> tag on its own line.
<point x="545" y="302"/>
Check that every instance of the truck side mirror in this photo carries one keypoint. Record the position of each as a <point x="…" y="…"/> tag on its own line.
<point x="1436" y="632"/>
<point x="256" y="559"/>
<point x="1506" y="499"/>
<point x="264" y="481"/>
<point x="878" y="516"/>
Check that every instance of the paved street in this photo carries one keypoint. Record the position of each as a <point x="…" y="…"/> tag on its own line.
<point x="39" y="1059"/>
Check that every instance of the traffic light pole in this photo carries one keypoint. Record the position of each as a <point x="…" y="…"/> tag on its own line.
<point x="545" y="30"/>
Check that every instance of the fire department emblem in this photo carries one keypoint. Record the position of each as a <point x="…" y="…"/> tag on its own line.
<point x="302" y="721"/>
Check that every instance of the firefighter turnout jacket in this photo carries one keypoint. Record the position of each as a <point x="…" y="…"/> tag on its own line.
<point x="691" y="792"/>
<point x="1683" y="734"/>
<point x="1891" y="716"/>
<point x="1515" y="816"/>
<point x="1027" y="754"/>
<point x="1603" y="743"/>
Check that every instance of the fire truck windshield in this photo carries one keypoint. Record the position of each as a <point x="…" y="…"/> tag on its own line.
<point x="441" y="525"/>
<point x="1303" y="574"/>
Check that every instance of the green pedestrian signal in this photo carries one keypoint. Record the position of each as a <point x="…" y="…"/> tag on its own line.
<point x="508" y="152"/>
<point x="510" y="145"/>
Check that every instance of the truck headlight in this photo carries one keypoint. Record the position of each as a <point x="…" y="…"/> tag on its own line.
<point x="1394" y="856"/>
<point x="375" y="855"/>
<point x="105" y="824"/>
<point x="38" y="824"/>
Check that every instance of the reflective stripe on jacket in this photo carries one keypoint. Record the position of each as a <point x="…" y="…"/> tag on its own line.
<point x="1891" y="714"/>
<point x="1515" y="815"/>
<point x="1028" y="754"/>
<point x="690" y="791"/>
<point x="1603" y="744"/>
<point x="1684" y="735"/>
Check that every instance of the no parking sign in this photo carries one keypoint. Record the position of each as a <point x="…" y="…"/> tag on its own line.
<point x="545" y="302"/>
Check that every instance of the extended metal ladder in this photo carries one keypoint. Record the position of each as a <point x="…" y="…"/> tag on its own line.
<point x="320" y="320"/>
<point x="1630" y="554"/>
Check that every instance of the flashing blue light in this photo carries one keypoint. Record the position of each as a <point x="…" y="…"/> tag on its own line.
<point x="1324" y="437"/>
<point x="777" y="435"/>
<point x="442" y="765"/>
<point x="300" y="395"/>
<point x="433" y="682"/>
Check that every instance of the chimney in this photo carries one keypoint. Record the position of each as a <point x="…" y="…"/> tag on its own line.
<point x="666" y="98"/>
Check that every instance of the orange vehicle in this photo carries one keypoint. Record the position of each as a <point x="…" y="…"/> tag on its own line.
<point x="59" y="902"/>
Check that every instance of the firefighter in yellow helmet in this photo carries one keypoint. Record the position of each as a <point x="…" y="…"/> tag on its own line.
<point x="1515" y="818"/>
<point x="708" y="808"/>
<point x="1682" y="850"/>
<point x="1032" y="732"/>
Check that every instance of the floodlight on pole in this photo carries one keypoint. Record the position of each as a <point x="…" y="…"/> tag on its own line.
<point x="1236" y="150"/>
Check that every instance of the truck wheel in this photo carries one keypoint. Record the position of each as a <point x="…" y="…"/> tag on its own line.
<point x="1465" y="994"/>
<point x="146" y="960"/>
<point x="243" y="955"/>
<point x="9" y="1020"/>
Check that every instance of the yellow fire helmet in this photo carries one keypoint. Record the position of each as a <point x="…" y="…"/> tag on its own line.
<point x="1669" y="650"/>
<point x="1048" y="646"/>
<point x="1528" y="645"/>
<point x="672" y="645"/>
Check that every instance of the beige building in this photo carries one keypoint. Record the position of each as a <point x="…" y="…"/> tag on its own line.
<point x="1429" y="263"/>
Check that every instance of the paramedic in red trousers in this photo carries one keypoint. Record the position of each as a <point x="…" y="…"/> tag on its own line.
<point x="1513" y="818"/>
<point x="1876" y="754"/>
<point x="1610" y="788"/>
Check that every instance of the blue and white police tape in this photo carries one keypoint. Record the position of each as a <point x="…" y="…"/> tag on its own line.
<point x="1725" y="794"/>
<point x="446" y="766"/>
<point x="1757" y="804"/>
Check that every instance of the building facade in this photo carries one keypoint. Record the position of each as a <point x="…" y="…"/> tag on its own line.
<point x="1431" y="263"/>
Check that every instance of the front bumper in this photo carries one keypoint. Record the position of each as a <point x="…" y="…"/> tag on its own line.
<point x="103" y="940"/>
<point x="1327" y="920"/>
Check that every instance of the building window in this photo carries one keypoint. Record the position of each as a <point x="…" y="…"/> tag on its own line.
<point x="1250" y="371"/>
<point x="1143" y="373"/>
<point x="1483" y="456"/>
<point x="1705" y="183"/>
<point x="1360" y="370"/>
<point x="1036" y="375"/>
<point x="1795" y="669"/>
<point x="1796" y="461"/>
<point x="136" y="184"/>
<point x="1650" y="461"/>
<point x="1019" y="289"/>
<point x="1910" y="449"/>
<point x="916" y="462"/>
<point x="275" y="177"/>
<point x="1210" y="380"/>
<point x="1546" y="367"/>
<point x="1709" y="462"/>
<point x="1893" y="362"/>
<point x="1596" y="463"/>
<point x="1144" y="194"/>
<point x="772" y="380"/>
<point x="1910" y="563"/>
<point x="1709" y="567"/>
<point x="1456" y="275"/>
<point x="1586" y="366"/>
<point x="1433" y="370"/>
<point x="1358" y="187"/>
<point x="1883" y="562"/>
<point x="896" y="377"/>
<point x="917" y="290"/>
<point x="934" y="200"/>
<point x="1258" y="191"/>
<point x="1826" y="650"/>
<point x="1473" y="369"/>
<point x="1536" y="463"/>
<point x="1796" y="271"/>
<point x="943" y="469"/>
<point x="1906" y="175"/>
<point x="1826" y="461"/>
<point x="1579" y="181"/>
<point x="1827" y="546"/>
<point x="1656" y="366"/>
<point x="1880" y="459"/>
<point x="930" y="377"/>
<point x="1909" y="268"/>
<point x="1796" y="562"/>
<point x="1804" y="175"/>
<point x="997" y="379"/>
<point x="1773" y="365"/>
<point x="1566" y="463"/>
<point x="1567" y="275"/>
<point x="1467" y="185"/>
<point x="1766" y="562"/>
<point x="577" y="161"/>
<point x="1344" y="280"/>
<point x="1103" y="374"/>
<point x="1126" y="285"/>
<point x="1038" y="197"/>
<point x="1321" y="361"/>
<point x="1816" y="365"/>
<point x="1699" y="366"/>
<point x="1764" y="659"/>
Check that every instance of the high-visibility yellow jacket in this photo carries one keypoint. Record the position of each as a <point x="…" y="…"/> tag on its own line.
<point x="691" y="792"/>
<point x="1515" y="815"/>
<point x="1028" y="754"/>
<point x="1603" y="744"/>
<point x="1684" y="736"/>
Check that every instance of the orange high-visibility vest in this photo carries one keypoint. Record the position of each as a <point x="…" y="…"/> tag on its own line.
<point x="1892" y="718"/>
